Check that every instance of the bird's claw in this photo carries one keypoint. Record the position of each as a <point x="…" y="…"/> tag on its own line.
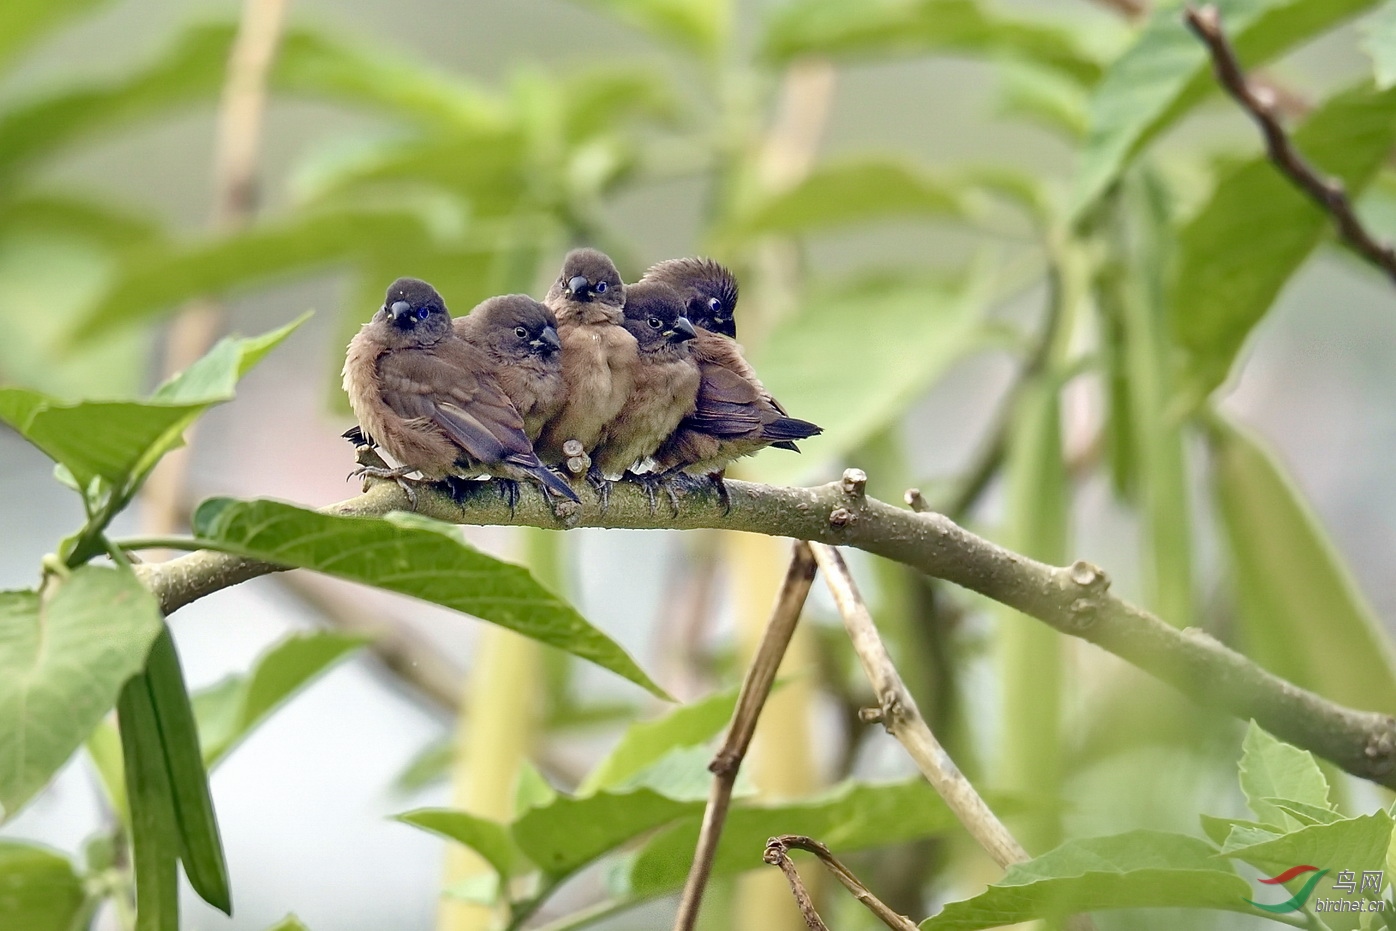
<point x="509" y="491"/>
<point x="398" y="475"/>
<point x="602" y="486"/>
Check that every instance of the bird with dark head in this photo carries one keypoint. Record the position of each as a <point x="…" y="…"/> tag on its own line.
<point x="431" y="401"/>
<point x="599" y="356"/>
<point x="520" y="336"/>
<point x="666" y="379"/>
<point x="709" y="290"/>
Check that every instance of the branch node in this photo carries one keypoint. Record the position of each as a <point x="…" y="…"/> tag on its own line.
<point x="841" y="517"/>
<point x="1089" y="576"/>
<point x="1381" y="749"/>
<point x="855" y="483"/>
<point x="870" y="715"/>
<point x="916" y="501"/>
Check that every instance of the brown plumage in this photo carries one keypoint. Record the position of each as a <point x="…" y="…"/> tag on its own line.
<point x="520" y="337"/>
<point x="666" y="378"/>
<point x="598" y="354"/>
<point x="430" y="399"/>
<point x="710" y="291"/>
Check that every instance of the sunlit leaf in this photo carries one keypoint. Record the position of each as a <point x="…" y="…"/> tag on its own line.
<point x="63" y="657"/>
<point x="489" y="839"/>
<point x="1358" y="844"/>
<point x="39" y="889"/>
<point x="1272" y="769"/>
<point x="644" y="743"/>
<point x="412" y="555"/>
<point x="1288" y="575"/>
<point x="1138" y="869"/>
<point x="1258" y="228"/>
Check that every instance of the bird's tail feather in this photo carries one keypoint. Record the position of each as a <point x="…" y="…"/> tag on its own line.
<point x="790" y="428"/>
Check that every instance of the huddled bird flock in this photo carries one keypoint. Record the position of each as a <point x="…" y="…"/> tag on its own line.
<point x="642" y="382"/>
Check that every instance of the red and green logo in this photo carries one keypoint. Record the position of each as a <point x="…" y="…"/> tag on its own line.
<point x="1296" y="901"/>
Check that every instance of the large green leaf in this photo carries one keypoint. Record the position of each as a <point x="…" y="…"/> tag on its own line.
<point x="646" y="743"/>
<point x="489" y="839"/>
<point x="1167" y="70"/>
<point x="120" y="441"/>
<point x="1138" y="869"/>
<point x="1257" y="229"/>
<point x="233" y="708"/>
<point x="852" y="191"/>
<point x="867" y="331"/>
<point x="415" y="556"/>
<point x="1272" y="769"/>
<point x="1379" y="41"/>
<point x="64" y="655"/>
<point x="23" y="22"/>
<point x="849" y="817"/>
<point x="1302" y="614"/>
<point x="568" y="833"/>
<point x="858" y="29"/>
<point x="39" y="890"/>
<point x="1357" y="844"/>
<point x="701" y="26"/>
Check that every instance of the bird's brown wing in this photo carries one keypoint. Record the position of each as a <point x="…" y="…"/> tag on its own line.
<point x="728" y="405"/>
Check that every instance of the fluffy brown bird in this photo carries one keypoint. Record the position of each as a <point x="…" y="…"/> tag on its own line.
<point x="430" y="399"/>
<point x="599" y="355"/>
<point x="520" y="336"/>
<point x="666" y="379"/>
<point x="710" y="291"/>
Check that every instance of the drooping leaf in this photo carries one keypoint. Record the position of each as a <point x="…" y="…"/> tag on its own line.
<point x="852" y="191"/>
<point x="569" y="832"/>
<point x="1167" y="70"/>
<point x="857" y="29"/>
<point x="412" y="555"/>
<point x="865" y="381"/>
<point x="1272" y="769"/>
<point x="1258" y="228"/>
<point x="489" y="839"/>
<point x="1379" y="42"/>
<point x="63" y="657"/>
<point x="646" y="742"/>
<point x="233" y="708"/>
<point x="1287" y="573"/>
<point x="1138" y="869"/>
<point x="700" y="26"/>
<point x="24" y="22"/>
<point x="39" y="889"/>
<point x="154" y="826"/>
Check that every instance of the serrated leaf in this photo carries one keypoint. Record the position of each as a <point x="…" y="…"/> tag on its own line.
<point x="1219" y="829"/>
<point x="233" y="708"/>
<point x="1287" y="572"/>
<point x="1358" y="844"/>
<point x="1167" y="70"/>
<point x="569" y="832"/>
<point x="646" y="742"/>
<point x="849" y="192"/>
<point x="489" y="839"/>
<point x="39" y="889"/>
<point x="63" y="658"/>
<point x="1379" y="42"/>
<point x="868" y="383"/>
<point x="849" y="817"/>
<point x="1271" y="768"/>
<point x="700" y="26"/>
<point x="1305" y="813"/>
<point x="415" y="556"/>
<point x="857" y="29"/>
<point x="1138" y="869"/>
<point x="1237" y="253"/>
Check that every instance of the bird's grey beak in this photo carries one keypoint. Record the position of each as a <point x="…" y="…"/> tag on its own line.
<point x="548" y="338"/>
<point x="683" y="330"/>
<point x="399" y="309"/>
<point x="578" y="283"/>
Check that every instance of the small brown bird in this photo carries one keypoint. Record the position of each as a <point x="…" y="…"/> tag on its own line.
<point x="430" y="399"/>
<point x="711" y="291"/>
<point x="666" y="379"/>
<point x="599" y="356"/>
<point x="520" y="337"/>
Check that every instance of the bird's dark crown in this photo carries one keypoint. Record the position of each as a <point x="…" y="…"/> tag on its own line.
<point x="602" y="280"/>
<point x="652" y="314"/>
<point x="411" y="301"/>
<point x="516" y="321"/>
<point x="710" y="287"/>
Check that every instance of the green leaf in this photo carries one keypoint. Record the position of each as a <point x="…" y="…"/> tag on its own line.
<point x="1138" y="869"/>
<point x="569" y="832"/>
<point x="858" y="30"/>
<point x="531" y="789"/>
<point x="1379" y="42"/>
<point x="289" y="923"/>
<point x="645" y="743"/>
<point x="848" y="192"/>
<point x="105" y="225"/>
<point x="700" y="26"/>
<point x="39" y="889"/>
<point x="871" y="384"/>
<point x="233" y="708"/>
<point x="849" y="817"/>
<point x="1045" y="97"/>
<point x="489" y="839"/>
<point x="1272" y="769"/>
<point x="1237" y="253"/>
<point x="1287" y="574"/>
<point x="1167" y="70"/>
<point x="1219" y="829"/>
<point x="120" y="441"/>
<point x="154" y="828"/>
<point x="1355" y="844"/>
<point x="1305" y="813"/>
<point x="24" y="22"/>
<point x="64" y="655"/>
<point x="412" y="555"/>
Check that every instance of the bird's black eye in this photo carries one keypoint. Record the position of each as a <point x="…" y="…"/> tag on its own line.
<point x="655" y="322"/>
<point x="520" y="332"/>
<point x="714" y="304"/>
<point x="600" y="287"/>
<point x="423" y="313"/>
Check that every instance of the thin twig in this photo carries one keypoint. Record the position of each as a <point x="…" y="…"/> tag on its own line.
<point x="1328" y="192"/>
<point x="728" y="760"/>
<point x="778" y="847"/>
<point x="775" y="855"/>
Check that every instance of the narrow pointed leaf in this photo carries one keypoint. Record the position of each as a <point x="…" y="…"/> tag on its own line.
<point x="39" y="889"/>
<point x="416" y="556"/>
<point x="155" y="836"/>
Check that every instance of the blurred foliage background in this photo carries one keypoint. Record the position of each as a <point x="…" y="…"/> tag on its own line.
<point x="1021" y="255"/>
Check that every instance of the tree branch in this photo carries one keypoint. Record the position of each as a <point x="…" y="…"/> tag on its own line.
<point x="1328" y="192"/>
<point x="1074" y="599"/>
<point x="777" y="850"/>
